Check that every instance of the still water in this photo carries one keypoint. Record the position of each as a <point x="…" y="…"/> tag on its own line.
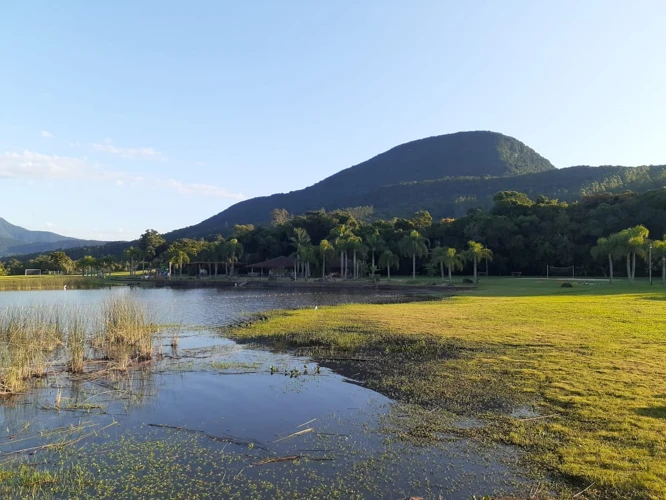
<point x="211" y="421"/>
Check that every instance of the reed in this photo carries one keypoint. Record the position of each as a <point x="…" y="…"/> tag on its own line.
<point x="33" y="338"/>
<point x="76" y="342"/>
<point x="27" y="337"/>
<point x="126" y="333"/>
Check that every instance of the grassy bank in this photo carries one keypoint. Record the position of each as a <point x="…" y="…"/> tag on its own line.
<point x="584" y="367"/>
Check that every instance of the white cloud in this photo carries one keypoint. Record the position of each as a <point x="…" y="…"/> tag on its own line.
<point x="47" y="134"/>
<point x="128" y="153"/>
<point x="49" y="225"/>
<point x="30" y="165"/>
<point x="203" y="190"/>
<point x="37" y="166"/>
<point x="201" y="163"/>
<point x="75" y="145"/>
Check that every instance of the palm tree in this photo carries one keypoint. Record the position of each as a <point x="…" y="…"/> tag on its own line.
<point x="449" y="257"/>
<point x="659" y="248"/>
<point x="234" y="251"/>
<point x="415" y="245"/>
<point x="325" y="248"/>
<point x="606" y="248"/>
<point x="375" y="243"/>
<point x="341" y="234"/>
<point x="301" y="240"/>
<point x="630" y="242"/>
<point x="218" y="252"/>
<point x="476" y="252"/>
<point x="86" y="263"/>
<point x="133" y="254"/>
<point x="387" y="260"/>
<point x="355" y="244"/>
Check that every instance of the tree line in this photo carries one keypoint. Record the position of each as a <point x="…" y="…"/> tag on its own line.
<point x="518" y="234"/>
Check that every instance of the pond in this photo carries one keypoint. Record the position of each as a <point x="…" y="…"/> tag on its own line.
<point x="216" y="419"/>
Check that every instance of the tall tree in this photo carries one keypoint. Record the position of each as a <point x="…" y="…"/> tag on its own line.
<point x="325" y="249"/>
<point x="150" y="241"/>
<point x="132" y="254"/>
<point x="375" y="243"/>
<point x="476" y="252"/>
<point x="234" y="252"/>
<point x="301" y="241"/>
<point x="414" y="245"/>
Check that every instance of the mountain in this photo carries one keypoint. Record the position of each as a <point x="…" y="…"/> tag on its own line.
<point x="15" y="240"/>
<point x="477" y="154"/>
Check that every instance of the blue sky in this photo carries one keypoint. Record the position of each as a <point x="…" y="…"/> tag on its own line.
<point x="121" y="116"/>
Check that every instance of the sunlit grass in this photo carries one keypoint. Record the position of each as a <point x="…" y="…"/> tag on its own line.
<point x="591" y="358"/>
<point x="49" y="282"/>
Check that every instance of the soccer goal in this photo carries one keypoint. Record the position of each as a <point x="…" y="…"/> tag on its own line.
<point x="568" y="271"/>
<point x="33" y="272"/>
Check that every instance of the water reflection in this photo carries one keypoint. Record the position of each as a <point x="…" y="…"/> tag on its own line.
<point x="212" y="419"/>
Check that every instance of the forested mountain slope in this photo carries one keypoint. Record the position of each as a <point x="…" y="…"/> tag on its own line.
<point x="446" y="175"/>
<point x="477" y="154"/>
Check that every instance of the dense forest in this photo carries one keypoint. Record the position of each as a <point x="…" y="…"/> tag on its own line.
<point x="517" y="234"/>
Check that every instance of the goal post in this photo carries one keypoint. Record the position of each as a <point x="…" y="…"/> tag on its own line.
<point x="33" y="272"/>
<point x="569" y="271"/>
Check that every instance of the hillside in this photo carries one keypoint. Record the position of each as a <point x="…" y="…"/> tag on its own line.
<point x="15" y="240"/>
<point x="479" y="154"/>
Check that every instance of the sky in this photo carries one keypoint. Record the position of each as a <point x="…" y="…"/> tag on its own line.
<point x="116" y="117"/>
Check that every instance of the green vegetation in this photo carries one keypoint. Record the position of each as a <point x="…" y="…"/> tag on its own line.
<point x="587" y="360"/>
<point x="518" y="234"/>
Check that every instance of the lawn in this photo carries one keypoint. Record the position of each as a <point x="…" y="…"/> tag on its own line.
<point x="590" y="361"/>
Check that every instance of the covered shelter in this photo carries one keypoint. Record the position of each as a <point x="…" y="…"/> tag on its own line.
<point x="275" y="267"/>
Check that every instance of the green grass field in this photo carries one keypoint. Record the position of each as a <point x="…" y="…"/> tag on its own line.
<point x="49" y="282"/>
<point x="591" y="360"/>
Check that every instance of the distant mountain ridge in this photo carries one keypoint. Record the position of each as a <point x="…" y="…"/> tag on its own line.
<point x="478" y="154"/>
<point x="15" y="240"/>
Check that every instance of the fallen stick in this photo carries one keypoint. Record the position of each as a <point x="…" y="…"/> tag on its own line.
<point x="223" y="439"/>
<point x="306" y="423"/>
<point x="582" y="491"/>
<point x="295" y="434"/>
<point x="537" y="418"/>
<point x="290" y="458"/>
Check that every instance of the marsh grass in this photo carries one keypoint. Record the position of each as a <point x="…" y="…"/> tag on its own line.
<point x="32" y="339"/>
<point x="76" y="342"/>
<point x="590" y="358"/>
<point x="126" y="332"/>
<point x="27" y="337"/>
